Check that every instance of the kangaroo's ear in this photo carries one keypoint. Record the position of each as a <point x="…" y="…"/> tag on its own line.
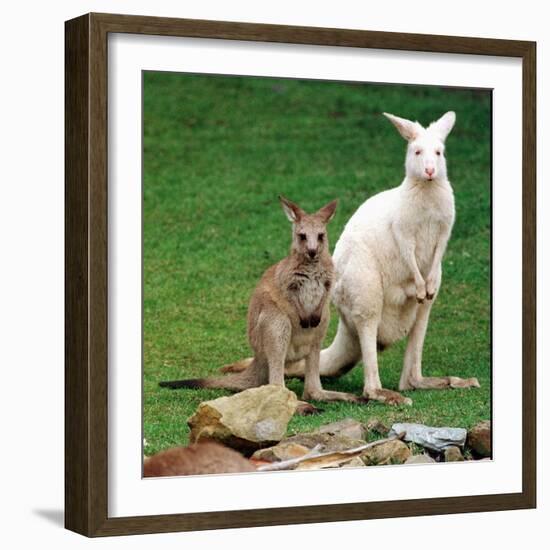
<point x="408" y="129"/>
<point x="293" y="212"/>
<point x="327" y="212"/>
<point x="444" y="125"/>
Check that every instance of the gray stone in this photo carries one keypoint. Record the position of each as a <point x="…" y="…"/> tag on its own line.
<point x="246" y="421"/>
<point x="437" y="439"/>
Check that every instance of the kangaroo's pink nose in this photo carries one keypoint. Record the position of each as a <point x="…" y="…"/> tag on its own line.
<point x="430" y="171"/>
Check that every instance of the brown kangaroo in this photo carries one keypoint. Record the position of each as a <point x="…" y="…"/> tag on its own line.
<point x="288" y="314"/>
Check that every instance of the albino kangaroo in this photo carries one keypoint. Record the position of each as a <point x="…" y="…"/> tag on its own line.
<point x="288" y="313"/>
<point x="388" y="268"/>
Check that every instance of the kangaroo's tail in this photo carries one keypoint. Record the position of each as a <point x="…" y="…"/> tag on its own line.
<point x="293" y="369"/>
<point x="238" y="381"/>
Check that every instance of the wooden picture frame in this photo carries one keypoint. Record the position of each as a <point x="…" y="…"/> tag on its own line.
<point x="86" y="283"/>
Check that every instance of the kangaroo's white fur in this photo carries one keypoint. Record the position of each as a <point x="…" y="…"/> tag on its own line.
<point x="388" y="266"/>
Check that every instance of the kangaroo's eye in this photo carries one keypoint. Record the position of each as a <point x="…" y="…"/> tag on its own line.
<point x="302" y="236"/>
<point x="321" y="236"/>
<point x="417" y="152"/>
<point x="438" y="153"/>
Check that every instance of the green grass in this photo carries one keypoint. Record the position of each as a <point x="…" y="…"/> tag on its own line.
<point x="217" y="152"/>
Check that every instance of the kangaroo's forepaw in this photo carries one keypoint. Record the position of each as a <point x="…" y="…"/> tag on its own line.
<point x="431" y="288"/>
<point x="420" y="292"/>
<point x="314" y="321"/>
<point x="388" y="397"/>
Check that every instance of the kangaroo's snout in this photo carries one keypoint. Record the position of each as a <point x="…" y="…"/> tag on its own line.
<point x="429" y="171"/>
<point x="312" y="253"/>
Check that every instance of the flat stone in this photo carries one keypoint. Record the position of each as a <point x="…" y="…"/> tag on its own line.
<point x="301" y="444"/>
<point x="325" y="441"/>
<point x="347" y="427"/>
<point x="282" y="451"/>
<point x="437" y="439"/>
<point x="354" y="462"/>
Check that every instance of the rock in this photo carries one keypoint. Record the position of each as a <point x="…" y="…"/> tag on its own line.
<point x="479" y="439"/>
<point x="376" y="426"/>
<point x="325" y="441"/>
<point x="391" y="452"/>
<point x="300" y="444"/>
<point x="246" y="421"/>
<point x="420" y="459"/>
<point x="283" y="451"/>
<point x="354" y="462"/>
<point x="200" y="458"/>
<point x="437" y="439"/>
<point x="453" y="454"/>
<point x="348" y="427"/>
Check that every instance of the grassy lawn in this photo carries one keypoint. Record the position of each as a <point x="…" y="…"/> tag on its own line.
<point x="217" y="152"/>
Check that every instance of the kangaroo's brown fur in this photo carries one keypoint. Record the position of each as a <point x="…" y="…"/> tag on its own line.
<point x="288" y="313"/>
<point x="199" y="458"/>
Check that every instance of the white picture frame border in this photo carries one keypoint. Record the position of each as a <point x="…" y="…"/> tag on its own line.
<point x="129" y="494"/>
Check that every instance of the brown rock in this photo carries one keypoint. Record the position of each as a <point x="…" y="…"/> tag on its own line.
<point x="283" y="451"/>
<point x="376" y="426"/>
<point x="355" y="462"/>
<point x="348" y="427"/>
<point x="453" y="454"/>
<point x="391" y="452"/>
<point x="246" y="421"/>
<point x="200" y="458"/>
<point x="301" y="444"/>
<point x="479" y="439"/>
<point x="336" y="462"/>
<point x="325" y="441"/>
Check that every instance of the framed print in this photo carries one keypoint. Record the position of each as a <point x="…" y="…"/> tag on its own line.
<point x="343" y="223"/>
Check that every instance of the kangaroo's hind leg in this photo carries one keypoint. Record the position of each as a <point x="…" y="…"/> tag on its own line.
<point x="368" y="330"/>
<point x="411" y="376"/>
<point x="273" y="334"/>
<point x="336" y="360"/>
<point x="312" y="385"/>
<point x="342" y="354"/>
